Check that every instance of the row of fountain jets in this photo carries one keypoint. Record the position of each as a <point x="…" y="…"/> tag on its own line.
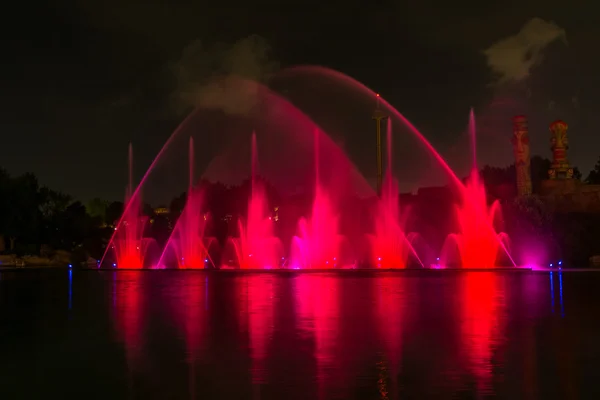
<point x="318" y="244"/>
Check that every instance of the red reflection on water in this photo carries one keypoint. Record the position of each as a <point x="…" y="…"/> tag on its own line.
<point x="128" y="312"/>
<point x="317" y="302"/>
<point x="391" y="317"/>
<point x="482" y="299"/>
<point x="257" y="297"/>
<point x="391" y="313"/>
<point x="190" y="311"/>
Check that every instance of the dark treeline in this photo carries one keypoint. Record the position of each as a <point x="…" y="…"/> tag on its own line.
<point x="35" y="220"/>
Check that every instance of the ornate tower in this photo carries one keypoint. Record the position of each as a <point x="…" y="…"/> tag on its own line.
<point x="378" y="116"/>
<point x="520" y="141"/>
<point x="559" y="143"/>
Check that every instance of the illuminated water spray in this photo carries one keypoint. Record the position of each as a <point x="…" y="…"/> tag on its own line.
<point x="390" y="245"/>
<point x="129" y="246"/>
<point x="188" y="244"/>
<point x="256" y="247"/>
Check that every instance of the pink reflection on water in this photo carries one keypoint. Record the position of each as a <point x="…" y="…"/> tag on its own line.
<point x="317" y="307"/>
<point x="128" y="313"/>
<point x="189" y="308"/>
<point x="257" y="315"/>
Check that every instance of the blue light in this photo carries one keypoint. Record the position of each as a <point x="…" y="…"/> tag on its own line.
<point x="551" y="265"/>
<point x="560" y="263"/>
<point x="114" y="264"/>
<point x="70" y="266"/>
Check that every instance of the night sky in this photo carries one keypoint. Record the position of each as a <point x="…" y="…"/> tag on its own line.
<point x="81" y="79"/>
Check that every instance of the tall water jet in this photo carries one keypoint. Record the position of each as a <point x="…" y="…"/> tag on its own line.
<point x="390" y="246"/>
<point x="129" y="246"/>
<point x="188" y="243"/>
<point x="318" y="243"/>
<point x="257" y="247"/>
<point x="477" y="243"/>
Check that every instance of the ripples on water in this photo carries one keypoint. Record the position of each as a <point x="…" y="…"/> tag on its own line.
<point x="351" y="335"/>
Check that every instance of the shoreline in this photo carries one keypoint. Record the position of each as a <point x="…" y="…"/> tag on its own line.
<point x="284" y="271"/>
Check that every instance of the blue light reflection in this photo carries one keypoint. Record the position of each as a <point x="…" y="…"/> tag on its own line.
<point x="552" y="290"/>
<point x="562" y="303"/>
<point x="70" y="289"/>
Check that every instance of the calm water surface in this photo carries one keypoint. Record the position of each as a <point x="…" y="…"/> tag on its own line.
<point x="199" y="335"/>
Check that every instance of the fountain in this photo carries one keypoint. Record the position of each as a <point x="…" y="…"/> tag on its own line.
<point x="390" y="246"/>
<point x="478" y="244"/>
<point x="188" y="244"/>
<point x="129" y="246"/>
<point x="318" y="244"/>
<point x="256" y="247"/>
<point x="318" y="241"/>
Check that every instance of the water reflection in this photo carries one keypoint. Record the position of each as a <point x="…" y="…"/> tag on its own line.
<point x="391" y="318"/>
<point x="483" y="303"/>
<point x="560" y="288"/>
<point x="128" y="313"/>
<point x="258" y="316"/>
<point x="189" y="308"/>
<point x="189" y="305"/>
<point x="318" y="313"/>
<point x="70" y="289"/>
<point x="552" y="290"/>
<point x="322" y="335"/>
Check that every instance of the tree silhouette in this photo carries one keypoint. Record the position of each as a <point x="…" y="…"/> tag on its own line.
<point x="593" y="177"/>
<point x="22" y="212"/>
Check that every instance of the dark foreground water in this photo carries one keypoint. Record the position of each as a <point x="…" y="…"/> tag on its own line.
<point x="197" y="335"/>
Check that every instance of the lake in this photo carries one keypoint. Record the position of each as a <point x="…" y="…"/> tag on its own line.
<point x="339" y="335"/>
